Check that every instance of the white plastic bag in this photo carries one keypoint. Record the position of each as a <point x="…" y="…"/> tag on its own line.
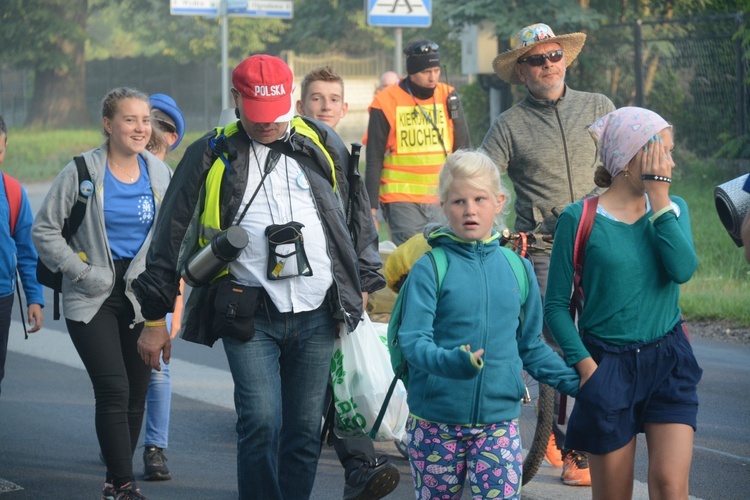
<point x="361" y="373"/>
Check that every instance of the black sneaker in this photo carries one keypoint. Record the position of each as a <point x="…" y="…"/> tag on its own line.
<point x="402" y="448"/>
<point x="108" y="492"/>
<point x="372" y="480"/>
<point x="154" y="464"/>
<point x="129" y="492"/>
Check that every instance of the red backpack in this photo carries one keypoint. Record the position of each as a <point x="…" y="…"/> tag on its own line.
<point x="15" y="195"/>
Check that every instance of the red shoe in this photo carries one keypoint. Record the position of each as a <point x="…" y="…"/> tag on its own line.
<point x="576" y="469"/>
<point x="553" y="455"/>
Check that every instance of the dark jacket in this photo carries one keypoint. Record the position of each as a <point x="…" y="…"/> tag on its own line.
<point x="355" y="267"/>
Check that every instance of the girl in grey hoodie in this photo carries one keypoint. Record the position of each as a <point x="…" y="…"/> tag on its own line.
<point x="98" y="265"/>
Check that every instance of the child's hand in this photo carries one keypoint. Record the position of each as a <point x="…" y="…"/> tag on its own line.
<point x="476" y="355"/>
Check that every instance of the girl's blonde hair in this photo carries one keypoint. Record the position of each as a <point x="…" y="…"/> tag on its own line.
<point x="479" y="171"/>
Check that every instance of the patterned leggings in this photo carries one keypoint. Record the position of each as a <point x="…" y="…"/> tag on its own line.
<point x="441" y="455"/>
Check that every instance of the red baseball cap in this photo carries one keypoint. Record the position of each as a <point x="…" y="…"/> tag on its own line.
<point x="266" y="84"/>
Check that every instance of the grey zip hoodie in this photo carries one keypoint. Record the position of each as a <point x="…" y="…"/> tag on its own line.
<point x="548" y="153"/>
<point x="82" y="300"/>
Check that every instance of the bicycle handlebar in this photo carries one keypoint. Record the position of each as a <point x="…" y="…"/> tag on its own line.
<point x="522" y="241"/>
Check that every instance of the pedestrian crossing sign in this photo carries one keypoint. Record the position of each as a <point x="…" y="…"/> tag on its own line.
<point x="399" y="13"/>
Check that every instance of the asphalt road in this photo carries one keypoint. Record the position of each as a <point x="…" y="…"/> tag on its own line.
<point x="48" y="448"/>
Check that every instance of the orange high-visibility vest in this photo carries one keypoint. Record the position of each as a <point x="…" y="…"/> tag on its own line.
<point x="414" y="150"/>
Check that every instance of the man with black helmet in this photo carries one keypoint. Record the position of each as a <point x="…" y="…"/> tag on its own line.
<point x="413" y="127"/>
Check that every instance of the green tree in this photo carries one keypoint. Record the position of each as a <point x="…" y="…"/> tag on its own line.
<point x="48" y="36"/>
<point x="54" y="38"/>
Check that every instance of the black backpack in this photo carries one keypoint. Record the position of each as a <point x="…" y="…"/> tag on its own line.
<point x="43" y="273"/>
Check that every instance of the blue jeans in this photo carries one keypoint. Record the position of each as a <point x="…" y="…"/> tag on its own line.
<point x="158" y="402"/>
<point x="280" y="379"/>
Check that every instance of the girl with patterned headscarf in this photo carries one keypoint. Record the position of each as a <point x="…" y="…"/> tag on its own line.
<point x="637" y="368"/>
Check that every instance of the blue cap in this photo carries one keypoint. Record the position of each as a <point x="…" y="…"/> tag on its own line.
<point x="166" y="104"/>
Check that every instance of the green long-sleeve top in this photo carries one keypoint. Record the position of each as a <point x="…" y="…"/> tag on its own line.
<point x="631" y="278"/>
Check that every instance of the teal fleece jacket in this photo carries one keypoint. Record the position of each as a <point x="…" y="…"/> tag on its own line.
<point x="479" y="305"/>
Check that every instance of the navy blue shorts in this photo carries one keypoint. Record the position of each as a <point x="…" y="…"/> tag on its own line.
<point x="653" y="382"/>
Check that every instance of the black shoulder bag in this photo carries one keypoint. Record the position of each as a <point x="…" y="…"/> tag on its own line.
<point x="43" y="273"/>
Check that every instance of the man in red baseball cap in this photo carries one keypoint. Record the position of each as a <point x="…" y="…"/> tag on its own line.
<point x="263" y="87"/>
<point x="271" y="174"/>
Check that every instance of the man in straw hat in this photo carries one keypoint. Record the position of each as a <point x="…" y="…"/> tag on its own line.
<point x="543" y="144"/>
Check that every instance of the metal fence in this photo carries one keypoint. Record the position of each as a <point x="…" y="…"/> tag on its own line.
<point x="344" y="65"/>
<point x="691" y="71"/>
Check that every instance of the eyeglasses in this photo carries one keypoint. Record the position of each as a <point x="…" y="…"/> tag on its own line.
<point x="423" y="48"/>
<point x="538" y="59"/>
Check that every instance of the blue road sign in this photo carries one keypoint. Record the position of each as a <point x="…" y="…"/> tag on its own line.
<point x="193" y="7"/>
<point x="399" y="13"/>
<point x="282" y="9"/>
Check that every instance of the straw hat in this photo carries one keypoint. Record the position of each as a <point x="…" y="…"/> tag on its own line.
<point x="529" y="36"/>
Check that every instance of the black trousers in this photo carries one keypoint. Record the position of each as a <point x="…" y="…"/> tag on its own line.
<point x="6" y="307"/>
<point x="352" y="452"/>
<point x="107" y="347"/>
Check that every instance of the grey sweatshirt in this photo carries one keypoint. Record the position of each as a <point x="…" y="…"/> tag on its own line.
<point x="82" y="300"/>
<point x="548" y="153"/>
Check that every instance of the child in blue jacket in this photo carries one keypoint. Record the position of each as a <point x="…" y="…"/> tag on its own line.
<point x="466" y="349"/>
<point x="16" y="252"/>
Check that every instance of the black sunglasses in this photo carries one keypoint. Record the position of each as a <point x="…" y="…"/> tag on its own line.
<point x="423" y="48"/>
<point x="538" y="59"/>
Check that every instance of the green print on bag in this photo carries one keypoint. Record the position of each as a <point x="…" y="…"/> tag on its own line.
<point x="337" y="367"/>
<point x="360" y="373"/>
<point x="348" y="419"/>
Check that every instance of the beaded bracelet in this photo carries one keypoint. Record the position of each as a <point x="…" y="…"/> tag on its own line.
<point x="160" y="322"/>
<point x="656" y="178"/>
<point x="82" y="274"/>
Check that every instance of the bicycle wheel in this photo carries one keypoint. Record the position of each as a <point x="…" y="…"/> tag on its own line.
<point x="535" y="424"/>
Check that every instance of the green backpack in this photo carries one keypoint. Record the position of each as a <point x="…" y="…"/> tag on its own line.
<point x="440" y="265"/>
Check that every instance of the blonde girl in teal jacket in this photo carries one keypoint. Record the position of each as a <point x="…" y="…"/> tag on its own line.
<point x="466" y="349"/>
